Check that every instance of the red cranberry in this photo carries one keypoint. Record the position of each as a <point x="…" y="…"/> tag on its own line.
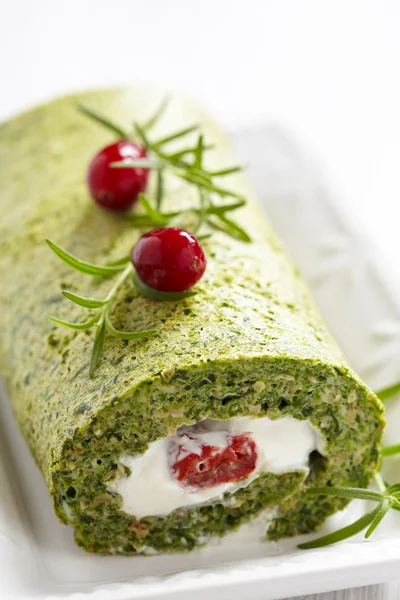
<point x="217" y="465"/>
<point x="117" y="189"/>
<point x="169" y="259"/>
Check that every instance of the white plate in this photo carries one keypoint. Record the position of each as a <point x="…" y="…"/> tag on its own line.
<point x="361" y="305"/>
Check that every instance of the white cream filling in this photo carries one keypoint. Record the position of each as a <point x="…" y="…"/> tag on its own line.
<point x="151" y="489"/>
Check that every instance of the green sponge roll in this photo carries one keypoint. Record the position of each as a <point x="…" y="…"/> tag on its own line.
<point x="245" y="370"/>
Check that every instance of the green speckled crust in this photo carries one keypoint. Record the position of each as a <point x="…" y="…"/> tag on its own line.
<point x="253" y="321"/>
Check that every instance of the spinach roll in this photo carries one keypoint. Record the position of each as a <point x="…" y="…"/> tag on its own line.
<point x="237" y="405"/>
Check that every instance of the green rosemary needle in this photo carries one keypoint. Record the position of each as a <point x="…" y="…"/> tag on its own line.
<point x="386" y="497"/>
<point x="102" y="319"/>
<point x="389" y="392"/>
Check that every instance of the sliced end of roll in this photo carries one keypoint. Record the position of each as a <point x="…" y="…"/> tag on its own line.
<point x="290" y="396"/>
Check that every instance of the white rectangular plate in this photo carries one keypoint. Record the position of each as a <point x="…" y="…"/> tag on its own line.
<point x="361" y="305"/>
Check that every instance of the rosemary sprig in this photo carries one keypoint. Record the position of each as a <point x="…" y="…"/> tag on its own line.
<point x="389" y="392"/>
<point x="154" y="218"/>
<point x="203" y="209"/>
<point x="160" y="189"/>
<point x="95" y="116"/>
<point x="156" y="116"/>
<point x="175" y="136"/>
<point x="142" y="163"/>
<point x="234" y="229"/>
<point x="121" y="261"/>
<point x="198" y="154"/>
<point x="141" y="221"/>
<point x="181" y="153"/>
<point x="76" y="326"/>
<point x="82" y="301"/>
<point x="343" y="533"/>
<point x="97" y="347"/>
<point x="191" y="176"/>
<point x="391" y="450"/>
<point x="83" y="266"/>
<point x="187" y="164"/>
<point x="153" y="214"/>
<point x="102" y="319"/>
<point x="386" y="497"/>
<point x="228" y="171"/>
<point x="228" y="226"/>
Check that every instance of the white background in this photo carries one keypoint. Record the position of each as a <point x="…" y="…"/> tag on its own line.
<point x="326" y="70"/>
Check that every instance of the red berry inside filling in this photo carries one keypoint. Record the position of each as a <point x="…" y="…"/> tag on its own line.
<point x="216" y="465"/>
